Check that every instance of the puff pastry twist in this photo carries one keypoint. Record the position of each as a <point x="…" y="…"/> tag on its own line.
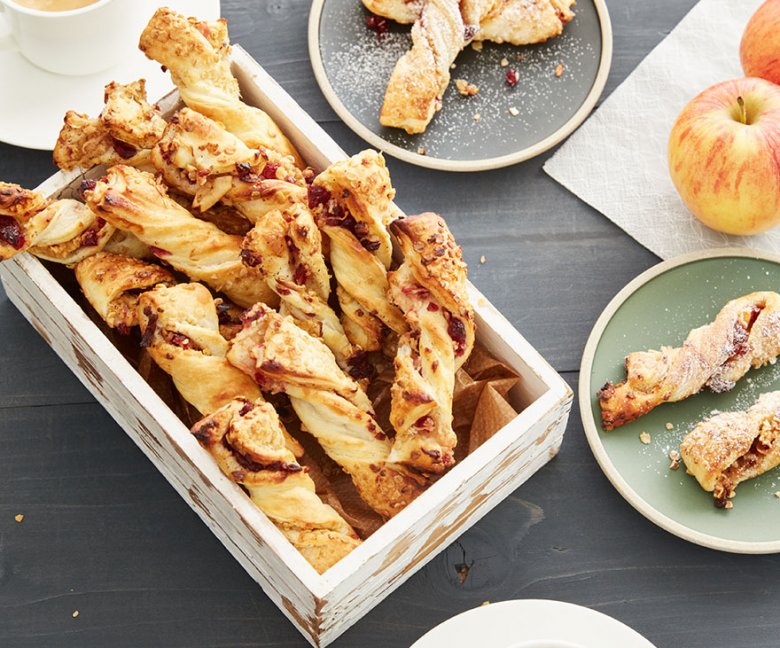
<point x="124" y="132"/>
<point x="197" y="54"/>
<point x="519" y="22"/>
<point x="112" y="284"/>
<point x="745" y="334"/>
<point x="352" y="202"/>
<point x="442" y="29"/>
<point x="725" y="450"/>
<point x="198" y="157"/>
<point x="63" y="231"/>
<point x="430" y="288"/>
<point x="283" y="358"/>
<point x="247" y="440"/>
<point x="135" y="201"/>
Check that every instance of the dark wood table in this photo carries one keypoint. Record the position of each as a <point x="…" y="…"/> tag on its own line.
<point x="104" y="533"/>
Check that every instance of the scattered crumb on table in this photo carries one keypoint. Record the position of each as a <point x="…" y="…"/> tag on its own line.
<point x="465" y="88"/>
<point x="513" y="111"/>
<point x="477" y="117"/>
<point x="559" y="70"/>
<point x="504" y="62"/>
<point x="19" y="517"/>
<point x="476" y="46"/>
<point x="75" y="613"/>
<point x="482" y="259"/>
<point x="669" y="426"/>
<point x="421" y="151"/>
<point x="645" y="438"/>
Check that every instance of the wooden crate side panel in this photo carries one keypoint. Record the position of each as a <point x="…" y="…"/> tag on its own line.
<point x="244" y="530"/>
<point x="474" y="498"/>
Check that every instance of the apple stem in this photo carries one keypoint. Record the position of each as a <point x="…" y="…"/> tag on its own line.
<point x="742" y="110"/>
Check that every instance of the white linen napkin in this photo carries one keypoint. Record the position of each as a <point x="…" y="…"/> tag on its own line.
<point x="617" y="161"/>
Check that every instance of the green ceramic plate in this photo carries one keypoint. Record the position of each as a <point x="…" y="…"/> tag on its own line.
<point x="659" y="308"/>
<point x="352" y="67"/>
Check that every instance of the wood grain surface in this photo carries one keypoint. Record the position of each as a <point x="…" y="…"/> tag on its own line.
<point x="104" y="534"/>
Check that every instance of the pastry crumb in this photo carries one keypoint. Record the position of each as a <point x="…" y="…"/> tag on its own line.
<point x="484" y="603"/>
<point x="476" y="46"/>
<point x="669" y="426"/>
<point x="453" y="66"/>
<point x="75" y="613"/>
<point x="777" y="494"/>
<point x="504" y="62"/>
<point x="645" y="438"/>
<point x="513" y="111"/>
<point x="465" y="88"/>
<point x="421" y="151"/>
<point x="477" y="117"/>
<point x="482" y="259"/>
<point x="559" y="70"/>
<point x="519" y="57"/>
<point x="728" y="505"/>
<point x="19" y="517"/>
<point x="674" y="458"/>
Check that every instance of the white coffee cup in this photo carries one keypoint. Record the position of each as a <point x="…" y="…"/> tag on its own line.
<point x="79" y="41"/>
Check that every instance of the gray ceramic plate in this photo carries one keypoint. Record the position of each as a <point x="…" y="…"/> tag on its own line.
<point x="659" y="308"/>
<point x="353" y="65"/>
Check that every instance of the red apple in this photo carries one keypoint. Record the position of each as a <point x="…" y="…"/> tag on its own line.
<point x="724" y="156"/>
<point x="760" y="47"/>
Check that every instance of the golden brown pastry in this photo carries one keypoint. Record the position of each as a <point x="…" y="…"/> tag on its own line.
<point x="421" y="76"/>
<point x="524" y="22"/>
<point x="123" y="133"/>
<point x="725" y="450"/>
<point x="197" y="54"/>
<point x="112" y="284"/>
<point x="23" y="217"/>
<point x="283" y="358"/>
<point x="63" y="231"/>
<point x="136" y="202"/>
<point x="745" y="333"/>
<point x="247" y="440"/>
<point x="198" y="157"/>
<point x="440" y="31"/>
<point x="287" y="248"/>
<point x="519" y="22"/>
<point x="352" y="202"/>
<point x="430" y="288"/>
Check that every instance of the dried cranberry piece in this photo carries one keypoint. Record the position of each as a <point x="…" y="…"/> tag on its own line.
<point x="269" y="170"/>
<point x="360" y="367"/>
<point x="151" y="327"/>
<point x="90" y="237"/>
<point x="179" y="340"/>
<point x="318" y="196"/>
<point x="158" y="251"/>
<point x="377" y="24"/>
<point x="123" y="329"/>
<point x="11" y="233"/>
<point x="457" y="331"/>
<point x="512" y="78"/>
<point x="301" y="274"/>
<point x="123" y="149"/>
<point x="87" y="185"/>
<point x="248" y="407"/>
<point x="250" y="258"/>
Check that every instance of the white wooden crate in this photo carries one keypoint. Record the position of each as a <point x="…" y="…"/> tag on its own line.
<point x="321" y="606"/>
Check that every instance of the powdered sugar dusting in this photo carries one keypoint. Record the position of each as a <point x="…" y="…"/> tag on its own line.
<point x="359" y="64"/>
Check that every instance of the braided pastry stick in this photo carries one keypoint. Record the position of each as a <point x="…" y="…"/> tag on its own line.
<point x="352" y="202"/>
<point x="112" y="284"/>
<point x="135" y="201"/>
<point x="331" y="406"/>
<point x="63" y="231"/>
<point x="198" y="57"/>
<point x="198" y="157"/>
<point x="745" y="333"/>
<point x="725" y="450"/>
<point x="124" y="132"/>
<point x="421" y="76"/>
<point x="247" y="441"/>
<point x="518" y="22"/>
<point x="287" y="248"/>
<point x="430" y="288"/>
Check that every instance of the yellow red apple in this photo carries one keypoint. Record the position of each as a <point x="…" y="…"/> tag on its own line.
<point x="760" y="47"/>
<point x="724" y="156"/>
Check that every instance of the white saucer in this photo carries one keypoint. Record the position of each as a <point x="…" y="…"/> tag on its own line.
<point x="31" y="114"/>
<point x="537" y="623"/>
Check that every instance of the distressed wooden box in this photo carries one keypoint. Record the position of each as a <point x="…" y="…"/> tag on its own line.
<point x="320" y="606"/>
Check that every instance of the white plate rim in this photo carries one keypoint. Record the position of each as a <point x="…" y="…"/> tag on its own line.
<point x="605" y="63"/>
<point x="512" y="604"/>
<point x="591" y="428"/>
